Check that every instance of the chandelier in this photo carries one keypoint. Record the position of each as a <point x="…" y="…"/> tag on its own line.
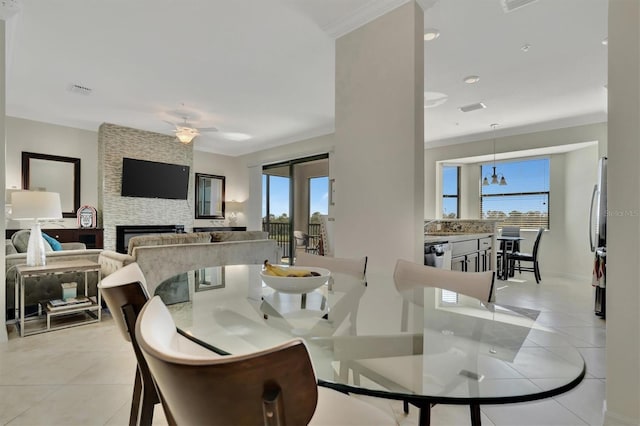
<point x="496" y="179"/>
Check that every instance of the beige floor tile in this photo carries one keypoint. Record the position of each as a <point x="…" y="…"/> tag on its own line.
<point x="76" y="405"/>
<point x="16" y="400"/>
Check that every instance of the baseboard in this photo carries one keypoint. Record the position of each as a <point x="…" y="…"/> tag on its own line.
<point x="615" y="419"/>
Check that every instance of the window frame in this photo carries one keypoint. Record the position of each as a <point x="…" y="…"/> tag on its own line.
<point x="456" y="196"/>
<point x="547" y="193"/>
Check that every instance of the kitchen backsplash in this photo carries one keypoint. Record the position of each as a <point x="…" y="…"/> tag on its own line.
<point x="466" y="226"/>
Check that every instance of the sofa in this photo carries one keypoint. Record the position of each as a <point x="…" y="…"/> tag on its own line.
<point x="48" y="287"/>
<point x="165" y="256"/>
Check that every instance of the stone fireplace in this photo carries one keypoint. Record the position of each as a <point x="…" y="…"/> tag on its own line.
<point x="125" y="232"/>
<point x="116" y="142"/>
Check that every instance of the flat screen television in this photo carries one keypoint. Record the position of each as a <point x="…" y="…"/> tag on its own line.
<point x="150" y="179"/>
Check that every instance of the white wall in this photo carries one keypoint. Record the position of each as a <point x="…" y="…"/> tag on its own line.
<point x="3" y="145"/>
<point x="236" y="182"/>
<point x="44" y="138"/>
<point x="581" y="174"/>
<point x="623" y="226"/>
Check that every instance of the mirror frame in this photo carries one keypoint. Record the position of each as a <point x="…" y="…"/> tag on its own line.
<point x="75" y="185"/>
<point x="200" y="176"/>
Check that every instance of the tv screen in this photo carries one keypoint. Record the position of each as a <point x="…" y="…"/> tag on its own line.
<point x="150" y="179"/>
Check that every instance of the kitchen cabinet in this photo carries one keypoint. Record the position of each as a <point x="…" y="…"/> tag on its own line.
<point x="471" y="255"/>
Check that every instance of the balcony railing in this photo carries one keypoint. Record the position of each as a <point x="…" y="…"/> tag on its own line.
<point x="280" y="232"/>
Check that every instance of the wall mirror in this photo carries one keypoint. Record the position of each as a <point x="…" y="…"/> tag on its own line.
<point x="209" y="196"/>
<point x="53" y="173"/>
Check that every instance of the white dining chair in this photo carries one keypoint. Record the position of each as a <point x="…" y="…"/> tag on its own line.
<point x="479" y="285"/>
<point x="275" y="386"/>
<point x="354" y="267"/>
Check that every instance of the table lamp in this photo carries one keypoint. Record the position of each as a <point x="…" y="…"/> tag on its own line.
<point x="234" y="208"/>
<point x="35" y="205"/>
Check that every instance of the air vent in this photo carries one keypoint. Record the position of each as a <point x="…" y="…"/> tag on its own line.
<point x="472" y="107"/>
<point x="79" y="89"/>
<point x="511" y="5"/>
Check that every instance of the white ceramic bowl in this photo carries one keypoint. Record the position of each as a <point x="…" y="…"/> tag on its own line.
<point x="296" y="284"/>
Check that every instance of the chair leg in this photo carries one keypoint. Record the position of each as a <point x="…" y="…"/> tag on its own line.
<point x="135" y="399"/>
<point x="149" y="400"/>
<point x="405" y="407"/>
<point x="536" y="271"/>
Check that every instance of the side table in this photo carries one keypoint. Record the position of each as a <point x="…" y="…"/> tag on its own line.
<point x="90" y="313"/>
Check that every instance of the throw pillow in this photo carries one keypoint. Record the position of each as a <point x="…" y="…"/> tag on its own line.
<point x="20" y="241"/>
<point x="55" y="244"/>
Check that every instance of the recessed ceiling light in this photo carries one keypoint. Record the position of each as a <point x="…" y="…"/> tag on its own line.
<point x="605" y="41"/>
<point x="525" y="47"/>
<point x="471" y="79"/>
<point x="431" y="34"/>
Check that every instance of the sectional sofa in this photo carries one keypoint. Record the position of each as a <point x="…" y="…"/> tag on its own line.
<point x="163" y="256"/>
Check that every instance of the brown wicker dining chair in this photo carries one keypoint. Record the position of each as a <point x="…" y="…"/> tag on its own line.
<point x="276" y="386"/>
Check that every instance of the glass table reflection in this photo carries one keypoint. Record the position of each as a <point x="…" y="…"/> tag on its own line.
<point x="425" y="346"/>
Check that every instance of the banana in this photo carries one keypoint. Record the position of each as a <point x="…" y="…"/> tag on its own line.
<point x="287" y="272"/>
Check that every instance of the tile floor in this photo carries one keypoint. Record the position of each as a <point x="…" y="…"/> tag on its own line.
<point x="84" y="375"/>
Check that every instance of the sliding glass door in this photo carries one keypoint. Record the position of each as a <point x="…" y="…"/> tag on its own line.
<point x="294" y="194"/>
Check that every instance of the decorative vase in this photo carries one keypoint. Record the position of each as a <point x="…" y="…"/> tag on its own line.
<point x="35" y="249"/>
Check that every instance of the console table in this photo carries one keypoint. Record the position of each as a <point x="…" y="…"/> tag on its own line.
<point x="79" y="315"/>
<point x="91" y="237"/>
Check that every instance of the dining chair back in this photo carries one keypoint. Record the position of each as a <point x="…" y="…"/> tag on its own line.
<point x="354" y="267"/>
<point x="408" y="275"/>
<point x="510" y="231"/>
<point x="124" y="293"/>
<point x="529" y="257"/>
<point x="276" y="386"/>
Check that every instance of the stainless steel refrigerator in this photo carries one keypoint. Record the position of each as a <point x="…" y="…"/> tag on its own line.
<point x="598" y="237"/>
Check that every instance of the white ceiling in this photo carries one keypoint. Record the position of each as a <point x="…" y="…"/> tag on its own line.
<point x="265" y="68"/>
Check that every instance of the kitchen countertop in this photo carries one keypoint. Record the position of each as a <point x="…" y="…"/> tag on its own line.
<point x="451" y="237"/>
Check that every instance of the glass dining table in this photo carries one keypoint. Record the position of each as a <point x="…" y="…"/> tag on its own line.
<point x="424" y="346"/>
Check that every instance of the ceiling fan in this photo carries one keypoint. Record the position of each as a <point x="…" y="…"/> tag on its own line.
<point x="186" y="132"/>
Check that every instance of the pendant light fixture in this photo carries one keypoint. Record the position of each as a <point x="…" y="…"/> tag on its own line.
<point x="495" y="180"/>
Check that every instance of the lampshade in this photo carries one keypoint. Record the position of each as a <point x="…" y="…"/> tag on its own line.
<point x="234" y="206"/>
<point x="186" y="134"/>
<point x="35" y="205"/>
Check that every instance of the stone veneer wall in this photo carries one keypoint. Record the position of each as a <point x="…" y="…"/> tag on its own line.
<point x="116" y="142"/>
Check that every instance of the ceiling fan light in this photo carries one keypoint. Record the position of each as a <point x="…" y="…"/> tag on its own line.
<point x="186" y="134"/>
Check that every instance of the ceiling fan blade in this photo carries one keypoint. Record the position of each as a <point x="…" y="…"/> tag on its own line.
<point x="170" y="122"/>
<point x="208" y="129"/>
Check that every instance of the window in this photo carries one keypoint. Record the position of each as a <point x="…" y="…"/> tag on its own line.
<point x="524" y="201"/>
<point x="450" y="192"/>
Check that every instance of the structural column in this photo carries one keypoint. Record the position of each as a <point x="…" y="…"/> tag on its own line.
<point x="379" y="140"/>
<point x="623" y="224"/>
